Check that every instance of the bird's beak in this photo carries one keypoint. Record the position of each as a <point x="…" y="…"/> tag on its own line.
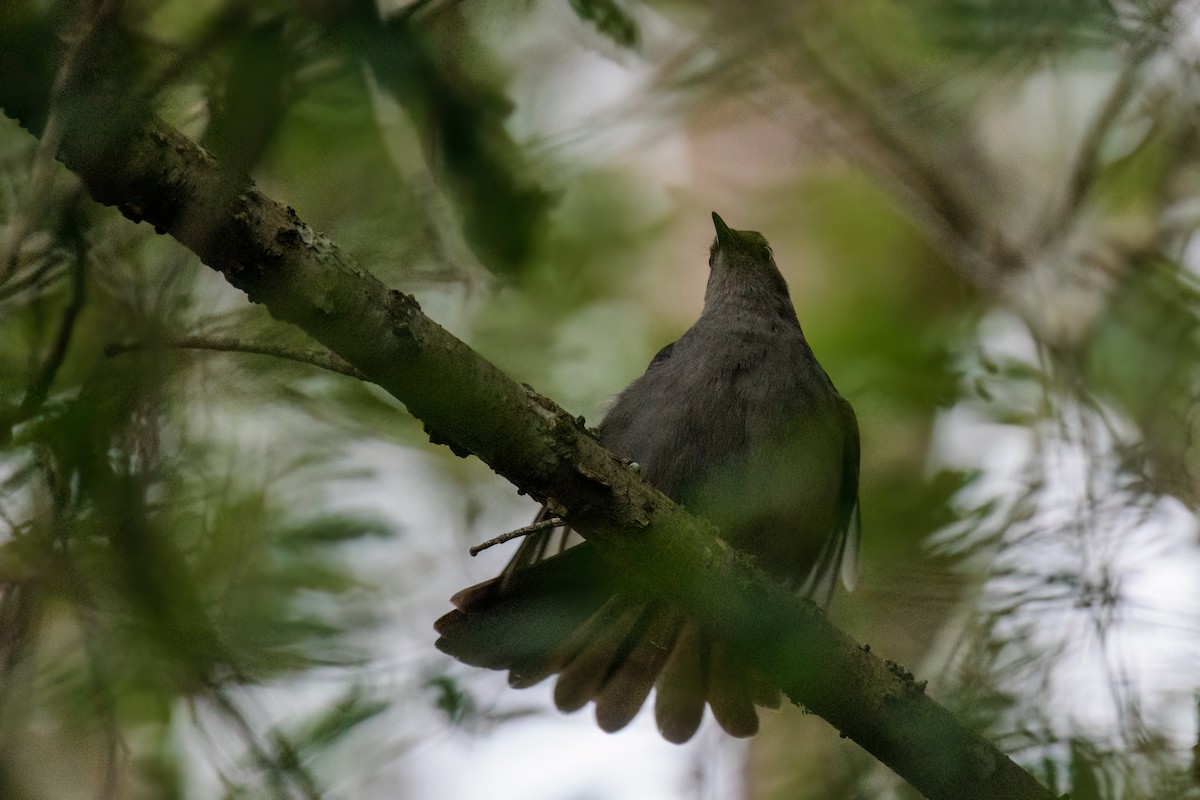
<point x="724" y="234"/>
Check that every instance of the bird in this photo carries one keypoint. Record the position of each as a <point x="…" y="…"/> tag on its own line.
<point x="738" y="422"/>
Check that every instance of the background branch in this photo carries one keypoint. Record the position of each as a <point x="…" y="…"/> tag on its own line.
<point x="39" y="388"/>
<point x="1087" y="161"/>
<point x="226" y="344"/>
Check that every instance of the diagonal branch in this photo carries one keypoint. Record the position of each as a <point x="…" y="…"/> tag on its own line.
<point x="153" y="173"/>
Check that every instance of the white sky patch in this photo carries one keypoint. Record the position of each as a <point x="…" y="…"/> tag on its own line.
<point x="583" y="101"/>
<point x="1111" y="586"/>
<point x="557" y="756"/>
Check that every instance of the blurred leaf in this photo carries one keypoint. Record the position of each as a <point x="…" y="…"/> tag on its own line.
<point x="860" y="231"/>
<point x="255" y="97"/>
<point x="330" y="530"/>
<point x="343" y="716"/>
<point x="452" y="90"/>
<point x="452" y="699"/>
<point x="1136" y="179"/>
<point x="610" y="18"/>
<point x="1011" y="30"/>
<point x="1144" y="357"/>
<point x="1085" y="773"/>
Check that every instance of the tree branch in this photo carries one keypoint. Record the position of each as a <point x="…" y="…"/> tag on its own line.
<point x="153" y="173"/>
<point x="226" y="344"/>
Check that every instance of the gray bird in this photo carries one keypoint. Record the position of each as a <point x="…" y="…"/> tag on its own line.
<point x="738" y="422"/>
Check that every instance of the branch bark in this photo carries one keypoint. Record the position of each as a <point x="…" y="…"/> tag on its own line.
<point x="153" y="173"/>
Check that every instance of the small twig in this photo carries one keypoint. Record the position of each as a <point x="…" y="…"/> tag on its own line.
<point x="1087" y="163"/>
<point x="552" y="522"/>
<point x="288" y="758"/>
<point x="42" y="171"/>
<point x="1196" y="748"/>
<point x="37" y="277"/>
<point x="39" y="390"/>
<point x="315" y="358"/>
<point x="17" y="611"/>
<point x="406" y="14"/>
<point x="946" y="207"/>
<point x="86" y="615"/>
<point x="286" y="765"/>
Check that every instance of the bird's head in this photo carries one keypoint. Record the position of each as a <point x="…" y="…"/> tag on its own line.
<point x="741" y="264"/>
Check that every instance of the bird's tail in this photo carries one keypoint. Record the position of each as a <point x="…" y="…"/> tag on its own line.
<point x="560" y="616"/>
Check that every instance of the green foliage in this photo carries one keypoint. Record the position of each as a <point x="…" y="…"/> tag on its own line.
<point x="452" y="700"/>
<point x="1003" y="29"/>
<point x="895" y="273"/>
<point x="254" y="97"/>
<point x="181" y="528"/>
<point x="142" y="564"/>
<point x="1143" y="360"/>
<point x="341" y="718"/>
<point x="1085" y="773"/>
<point x="450" y="87"/>
<point x="610" y="19"/>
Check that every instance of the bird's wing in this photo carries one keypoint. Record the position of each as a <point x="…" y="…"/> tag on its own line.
<point x="521" y="627"/>
<point x="661" y="356"/>
<point x="839" y="555"/>
<point x="849" y="517"/>
<point x="544" y="544"/>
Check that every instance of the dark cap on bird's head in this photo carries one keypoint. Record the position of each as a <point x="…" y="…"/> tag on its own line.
<point x="741" y="262"/>
<point x="751" y="242"/>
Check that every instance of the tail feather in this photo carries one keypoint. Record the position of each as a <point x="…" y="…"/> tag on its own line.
<point x="608" y="636"/>
<point x="729" y="693"/>
<point x="626" y="690"/>
<point x="560" y="615"/>
<point x="514" y="626"/>
<point x="538" y="667"/>
<point x="679" y="704"/>
<point x="764" y="693"/>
